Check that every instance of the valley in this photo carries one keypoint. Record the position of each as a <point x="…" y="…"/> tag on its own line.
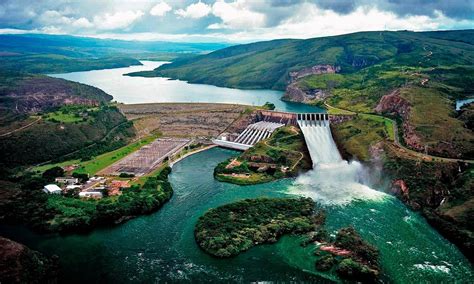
<point x="381" y="166"/>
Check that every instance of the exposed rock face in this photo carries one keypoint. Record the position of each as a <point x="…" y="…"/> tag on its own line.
<point x="261" y="159"/>
<point x="393" y="103"/>
<point x="466" y="115"/>
<point x="340" y="118"/>
<point x="19" y="264"/>
<point x="295" y="94"/>
<point x="38" y="93"/>
<point x="314" y="70"/>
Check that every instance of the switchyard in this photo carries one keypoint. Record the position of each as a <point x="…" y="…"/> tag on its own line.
<point x="147" y="158"/>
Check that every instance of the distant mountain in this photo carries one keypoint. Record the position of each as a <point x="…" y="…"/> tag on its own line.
<point x="268" y="64"/>
<point x="37" y="53"/>
<point x="85" y="46"/>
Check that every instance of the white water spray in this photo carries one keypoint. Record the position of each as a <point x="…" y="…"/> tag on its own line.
<point x="332" y="180"/>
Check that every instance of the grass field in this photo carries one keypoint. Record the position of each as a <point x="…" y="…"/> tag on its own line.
<point x="72" y="114"/>
<point x="102" y="161"/>
<point x="433" y="118"/>
<point x="64" y="117"/>
<point x="357" y="135"/>
<point x="388" y="123"/>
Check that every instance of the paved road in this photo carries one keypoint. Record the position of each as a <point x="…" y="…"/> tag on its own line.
<point x="21" y="128"/>
<point x="399" y="146"/>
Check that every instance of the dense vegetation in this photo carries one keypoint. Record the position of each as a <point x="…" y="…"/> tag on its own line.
<point x="430" y="69"/>
<point x="56" y="213"/>
<point x="284" y="154"/>
<point x="445" y="196"/>
<point x="267" y="64"/>
<point x="58" y="53"/>
<point x="19" y="264"/>
<point x="356" y="136"/>
<point x="25" y="93"/>
<point x="359" y="262"/>
<point x="48" y="140"/>
<point x="230" y="229"/>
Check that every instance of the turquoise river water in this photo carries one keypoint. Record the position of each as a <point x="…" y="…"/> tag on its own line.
<point x="161" y="246"/>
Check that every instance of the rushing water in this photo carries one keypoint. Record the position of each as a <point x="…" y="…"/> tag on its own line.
<point x="332" y="180"/>
<point x="132" y="90"/>
<point x="161" y="246"/>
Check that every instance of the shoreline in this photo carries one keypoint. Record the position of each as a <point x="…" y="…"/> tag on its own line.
<point x="171" y="164"/>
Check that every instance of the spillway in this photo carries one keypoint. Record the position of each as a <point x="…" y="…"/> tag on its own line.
<point x="333" y="180"/>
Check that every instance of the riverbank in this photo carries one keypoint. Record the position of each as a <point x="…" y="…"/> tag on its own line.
<point x="283" y="154"/>
<point x="118" y="252"/>
<point x="52" y="213"/>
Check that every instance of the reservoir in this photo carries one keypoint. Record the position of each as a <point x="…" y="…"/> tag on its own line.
<point x="132" y="90"/>
<point x="161" y="247"/>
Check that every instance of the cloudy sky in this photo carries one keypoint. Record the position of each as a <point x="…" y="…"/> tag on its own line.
<point x="229" y="20"/>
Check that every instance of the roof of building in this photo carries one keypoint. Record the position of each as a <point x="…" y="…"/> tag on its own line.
<point x="52" y="188"/>
<point x="73" y="186"/>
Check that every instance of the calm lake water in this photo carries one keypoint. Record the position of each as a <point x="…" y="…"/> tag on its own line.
<point x="131" y="90"/>
<point x="161" y="246"/>
<point x="460" y="103"/>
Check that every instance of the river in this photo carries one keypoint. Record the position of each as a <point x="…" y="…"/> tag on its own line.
<point x="161" y="247"/>
<point x="132" y="90"/>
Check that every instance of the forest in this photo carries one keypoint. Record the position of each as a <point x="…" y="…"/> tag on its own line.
<point x="56" y="213"/>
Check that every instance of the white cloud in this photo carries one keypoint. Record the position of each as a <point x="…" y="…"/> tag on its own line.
<point x="118" y="20"/>
<point x="160" y="9"/>
<point x="194" y="11"/>
<point x="51" y="30"/>
<point x="236" y="15"/>
<point x="82" y="23"/>
<point x="52" y="17"/>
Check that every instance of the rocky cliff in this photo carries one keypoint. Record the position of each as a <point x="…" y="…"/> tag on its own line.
<point x="314" y="70"/>
<point x="294" y="93"/>
<point x="394" y="104"/>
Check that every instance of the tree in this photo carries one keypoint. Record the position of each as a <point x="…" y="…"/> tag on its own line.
<point x="269" y="106"/>
<point x="53" y="173"/>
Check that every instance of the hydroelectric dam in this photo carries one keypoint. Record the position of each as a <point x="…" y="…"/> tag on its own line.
<point x="266" y="122"/>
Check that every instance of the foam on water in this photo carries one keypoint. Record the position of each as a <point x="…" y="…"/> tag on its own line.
<point x="333" y="180"/>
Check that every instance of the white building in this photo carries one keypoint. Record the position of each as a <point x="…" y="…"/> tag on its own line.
<point x="90" y="194"/>
<point x="52" y="189"/>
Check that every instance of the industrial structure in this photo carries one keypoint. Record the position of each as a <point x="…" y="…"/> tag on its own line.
<point x="148" y="157"/>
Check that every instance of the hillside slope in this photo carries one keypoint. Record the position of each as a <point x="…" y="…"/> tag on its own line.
<point x="40" y="53"/>
<point x="43" y="118"/>
<point x="268" y="64"/>
<point x="22" y="93"/>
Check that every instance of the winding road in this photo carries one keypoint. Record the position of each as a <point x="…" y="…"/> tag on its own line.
<point x="397" y="146"/>
<point x="21" y="128"/>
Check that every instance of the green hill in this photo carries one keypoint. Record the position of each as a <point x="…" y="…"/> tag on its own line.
<point x="44" y="118"/>
<point x="267" y="64"/>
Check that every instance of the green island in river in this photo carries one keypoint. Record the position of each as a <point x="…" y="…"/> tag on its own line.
<point x="236" y="227"/>
<point x="355" y="158"/>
